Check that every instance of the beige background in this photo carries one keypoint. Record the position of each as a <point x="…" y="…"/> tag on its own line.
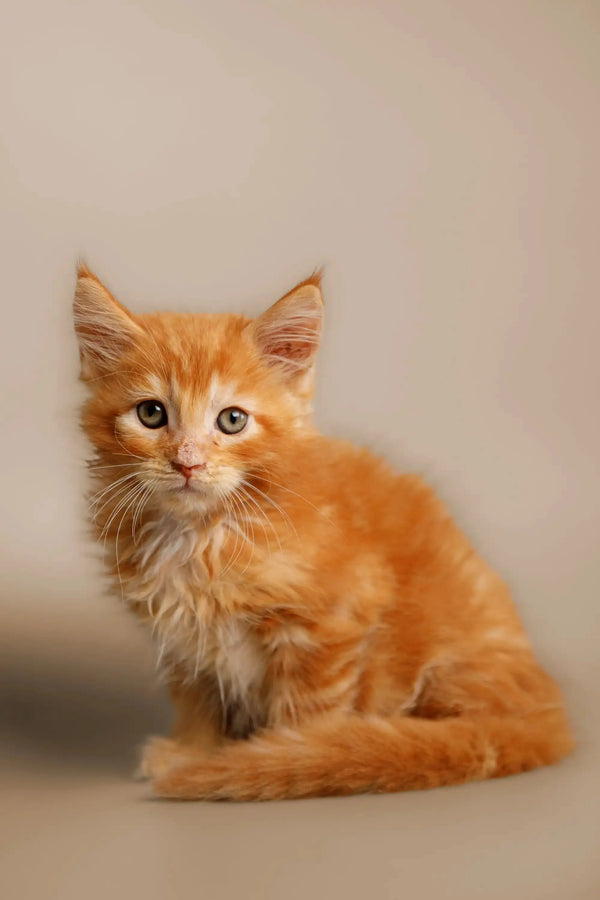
<point x="441" y="159"/>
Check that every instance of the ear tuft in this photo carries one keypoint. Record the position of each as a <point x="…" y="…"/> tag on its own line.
<point x="288" y="334"/>
<point x="83" y="271"/>
<point x="104" y="327"/>
<point x="316" y="279"/>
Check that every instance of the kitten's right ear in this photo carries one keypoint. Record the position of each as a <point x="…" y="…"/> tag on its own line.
<point x="105" y="329"/>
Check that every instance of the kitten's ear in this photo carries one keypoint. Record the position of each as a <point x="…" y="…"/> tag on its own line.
<point x="288" y="333"/>
<point x="105" y="329"/>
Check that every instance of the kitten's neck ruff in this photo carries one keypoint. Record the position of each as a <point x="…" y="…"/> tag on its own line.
<point x="211" y="561"/>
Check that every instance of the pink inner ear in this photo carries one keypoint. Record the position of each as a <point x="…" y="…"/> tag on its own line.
<point x="296" y="349"/>
<point x="289" y="332"/>
<point x="290" y="341"/>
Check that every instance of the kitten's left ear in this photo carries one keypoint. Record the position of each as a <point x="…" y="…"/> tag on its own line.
<point x="289" y="332"/>
<point x="104" y="327"/>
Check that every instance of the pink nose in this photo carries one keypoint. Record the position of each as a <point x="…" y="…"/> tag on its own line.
<point x="188" y="471"/>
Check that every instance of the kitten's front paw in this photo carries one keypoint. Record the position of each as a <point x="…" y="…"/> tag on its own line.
<point x="159" y="756"/>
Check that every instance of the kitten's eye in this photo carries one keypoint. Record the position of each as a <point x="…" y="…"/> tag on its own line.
<point x="232" y="420"/>
<point x="152" y="414"/>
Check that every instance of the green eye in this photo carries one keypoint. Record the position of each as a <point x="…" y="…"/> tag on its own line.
<point x="152" y="413"/>
<point x="232" y="420"/>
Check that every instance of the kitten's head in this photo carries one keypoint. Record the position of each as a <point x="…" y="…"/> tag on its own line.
<point x="195" y="404"/>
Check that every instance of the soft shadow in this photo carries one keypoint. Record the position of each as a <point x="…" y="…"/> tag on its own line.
<point x="57" y="714"/>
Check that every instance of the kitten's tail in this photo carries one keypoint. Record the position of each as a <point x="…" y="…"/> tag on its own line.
<point x="353" y="754"/>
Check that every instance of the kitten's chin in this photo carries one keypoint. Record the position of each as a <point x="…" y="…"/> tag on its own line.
<point x="188" y="500"/>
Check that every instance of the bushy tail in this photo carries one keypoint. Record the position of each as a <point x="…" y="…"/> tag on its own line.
<point x="352" y="754"/>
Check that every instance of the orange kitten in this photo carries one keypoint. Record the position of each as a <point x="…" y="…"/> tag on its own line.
<point x="324" y="626"/>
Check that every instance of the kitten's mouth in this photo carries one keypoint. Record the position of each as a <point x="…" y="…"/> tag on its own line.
<point x="205" y="488"/>
<point x="191" y="486"/>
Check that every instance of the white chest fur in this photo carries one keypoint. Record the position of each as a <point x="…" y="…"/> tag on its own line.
<point x="199" y="621"/>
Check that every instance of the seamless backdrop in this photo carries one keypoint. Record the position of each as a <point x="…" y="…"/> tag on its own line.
<point x="440" y="160"/>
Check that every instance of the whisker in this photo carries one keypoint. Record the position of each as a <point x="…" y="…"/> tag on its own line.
<point x="262" y="515"/>
<point x="100" y="493"/>
<point x="239" y="518"/>
<point x="142" y="503"/>
<point x="240" y="531"/>
<point x="237" y="538"/>
<point x="127" y="452"/>
<point x="253" y="541"/>
<point x="94" y="468"/>
<point x="111" y="499"/>
<point x="124" y="500"/>
<point x="295" y="493"/>
<point x="125" y="511"/>
<point x="272" y="502"/>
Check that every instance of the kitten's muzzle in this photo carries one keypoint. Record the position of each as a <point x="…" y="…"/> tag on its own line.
<point x="188" y="471"/>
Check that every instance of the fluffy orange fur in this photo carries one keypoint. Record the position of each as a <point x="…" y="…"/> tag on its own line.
<point x="323" y="625"/>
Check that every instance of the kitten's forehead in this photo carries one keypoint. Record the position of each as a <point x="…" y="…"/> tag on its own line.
<point x="219" y="393"/>
<point x="194" y="355"/>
